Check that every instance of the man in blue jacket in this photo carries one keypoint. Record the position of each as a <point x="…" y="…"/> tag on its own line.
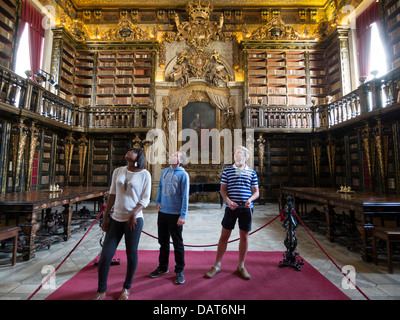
<point x="172" y="203"/>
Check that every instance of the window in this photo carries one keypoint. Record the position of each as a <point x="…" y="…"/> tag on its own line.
<point x="377" y="61"/>
<point x="23" y="62"/>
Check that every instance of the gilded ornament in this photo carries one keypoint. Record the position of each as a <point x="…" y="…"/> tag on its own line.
<point x="199" y="31"/>
<point x="200" y="64"/>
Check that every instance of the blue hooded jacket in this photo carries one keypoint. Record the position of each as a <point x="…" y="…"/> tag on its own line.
<point x="173" y="191"/>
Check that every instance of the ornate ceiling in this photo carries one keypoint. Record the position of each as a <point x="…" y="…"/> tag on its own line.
<point x="86" y="4"/>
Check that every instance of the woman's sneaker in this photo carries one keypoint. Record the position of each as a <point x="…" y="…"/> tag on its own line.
<point x="158" y="272"/>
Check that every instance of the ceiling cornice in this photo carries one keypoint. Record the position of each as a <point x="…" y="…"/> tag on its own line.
<point x="218" y="4"/>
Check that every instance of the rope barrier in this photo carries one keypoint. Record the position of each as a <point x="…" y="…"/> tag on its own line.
<point x="62" y="262"/>
<point x="216" y="244"/>
<point x="210" y="245"/>
<point x="315" y="240"/>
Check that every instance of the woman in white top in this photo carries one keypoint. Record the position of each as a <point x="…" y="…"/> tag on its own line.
<point x="129" y="194"/>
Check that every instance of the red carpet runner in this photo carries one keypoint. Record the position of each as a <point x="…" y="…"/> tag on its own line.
<point x="269" y="282"/>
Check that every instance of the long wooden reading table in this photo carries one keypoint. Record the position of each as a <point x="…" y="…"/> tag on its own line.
<point x="362" y="206"/>
<point x="32" y="203"/>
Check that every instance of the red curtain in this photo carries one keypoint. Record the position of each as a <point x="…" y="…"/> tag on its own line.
<point x="30" y="16"/>
<point x="363" y="25"/>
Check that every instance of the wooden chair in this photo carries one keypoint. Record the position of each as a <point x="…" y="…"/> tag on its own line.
<point x="390" y="235"/>
<point x="10" y="232"/>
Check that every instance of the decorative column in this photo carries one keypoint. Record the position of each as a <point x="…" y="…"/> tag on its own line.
<point x="19" y="136"/>
<point x="330" y="149"/>
<point x="82" y="149"/>
<point x="316" y="149"/>
<point x="261" y="150"/>
<point x="68" y="151"/>
<point x="381" y="143"/>
<point x="30" y="155"/>
<point x="366" y="136"/>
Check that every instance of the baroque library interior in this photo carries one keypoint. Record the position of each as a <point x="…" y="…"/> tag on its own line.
<point x="310" y="87"/>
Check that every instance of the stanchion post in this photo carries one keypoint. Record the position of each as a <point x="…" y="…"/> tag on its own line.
<point x="290" y="257"/>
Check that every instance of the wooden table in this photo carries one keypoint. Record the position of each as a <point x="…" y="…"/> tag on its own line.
<point x="7" y="233"/>
<point x="362" y="206"/>
<point x="32" y="203"/>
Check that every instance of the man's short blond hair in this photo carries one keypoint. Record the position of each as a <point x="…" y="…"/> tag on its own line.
<point x="245" y="151"/>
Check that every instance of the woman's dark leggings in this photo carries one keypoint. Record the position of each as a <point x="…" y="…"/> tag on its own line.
<point x="113" y="236"/>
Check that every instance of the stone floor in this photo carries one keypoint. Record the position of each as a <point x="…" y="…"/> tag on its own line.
<point x="202" y="228"/>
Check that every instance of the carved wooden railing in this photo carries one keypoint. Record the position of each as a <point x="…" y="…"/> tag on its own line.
<point x="275" y="118"/>
<point x="23" y="96"/>
<point x="121" y="117"/>
<point x="20" y="96"/>
<point x="370" y="97"/>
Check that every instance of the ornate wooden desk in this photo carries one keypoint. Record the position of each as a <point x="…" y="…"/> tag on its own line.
<point x="362" y="206"/>
<point x="32" y="203"/>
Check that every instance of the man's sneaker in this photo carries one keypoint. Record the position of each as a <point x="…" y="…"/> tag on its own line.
<point x="158" y="272"/>
<point x="214" y="270"/>
<point x="243" y="272"/>
<point x="180" y="279"/>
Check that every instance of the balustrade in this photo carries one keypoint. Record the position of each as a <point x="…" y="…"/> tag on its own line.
<point x="376" y="94"/>
<point x="278" y="117"/>
<point x="18" y="94"/>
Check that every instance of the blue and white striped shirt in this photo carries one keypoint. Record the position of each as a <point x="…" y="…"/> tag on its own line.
<point x="239" y="182"/>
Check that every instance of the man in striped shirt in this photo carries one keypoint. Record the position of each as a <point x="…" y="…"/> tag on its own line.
<point x="239" y="188"/>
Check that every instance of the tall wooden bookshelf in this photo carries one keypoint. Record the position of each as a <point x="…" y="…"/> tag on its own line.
<point x="66" y="73"/>
<point x="84" y="72"/>
<point x="98" y="74"/>
<point x="277" y="78"/>
<point x="334" y="71"/>
<point x="107" y="155"/>
<point x="318" y="77"/>
<point x="286" y="78"/>
<point x="8" y="10"/>
<point x="392" y="13"/>
<point x="286" y="161"/>
<point x="123" y="78"/>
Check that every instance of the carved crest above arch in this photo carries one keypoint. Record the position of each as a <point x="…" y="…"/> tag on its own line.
<point x="200" y="64"/>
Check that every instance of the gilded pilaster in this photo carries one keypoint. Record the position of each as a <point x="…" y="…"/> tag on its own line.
<point x="68" y="151"/>
<point x="381" y="143"/>
<point x="366" y="134"/>
<point x="330" y="148"/>
<point x="82" y="148"/>
<point x="316" y="149"/>
<point x="261" y="152"/>
<point x="19" y="136"/>
<point x="30" y="155"/>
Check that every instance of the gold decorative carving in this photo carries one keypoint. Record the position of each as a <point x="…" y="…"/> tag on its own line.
<point x="261" y="152"/>
<point x="19" y="137"/>
<point x="80" y="4"/>
<point x="316" y="149"/>
<point x="275" y="29"/>
<point x="199" y="31"/>
<point x="82" y="149"/>
<point x="30" y="155"/>
<point x="124" y="31"/>
<point x="68" y="151"/>
<point x="200" y="64"/>
<point x="330" y="148"/>
<point x="369" y="150"/>
<point x="381" y="143"/>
